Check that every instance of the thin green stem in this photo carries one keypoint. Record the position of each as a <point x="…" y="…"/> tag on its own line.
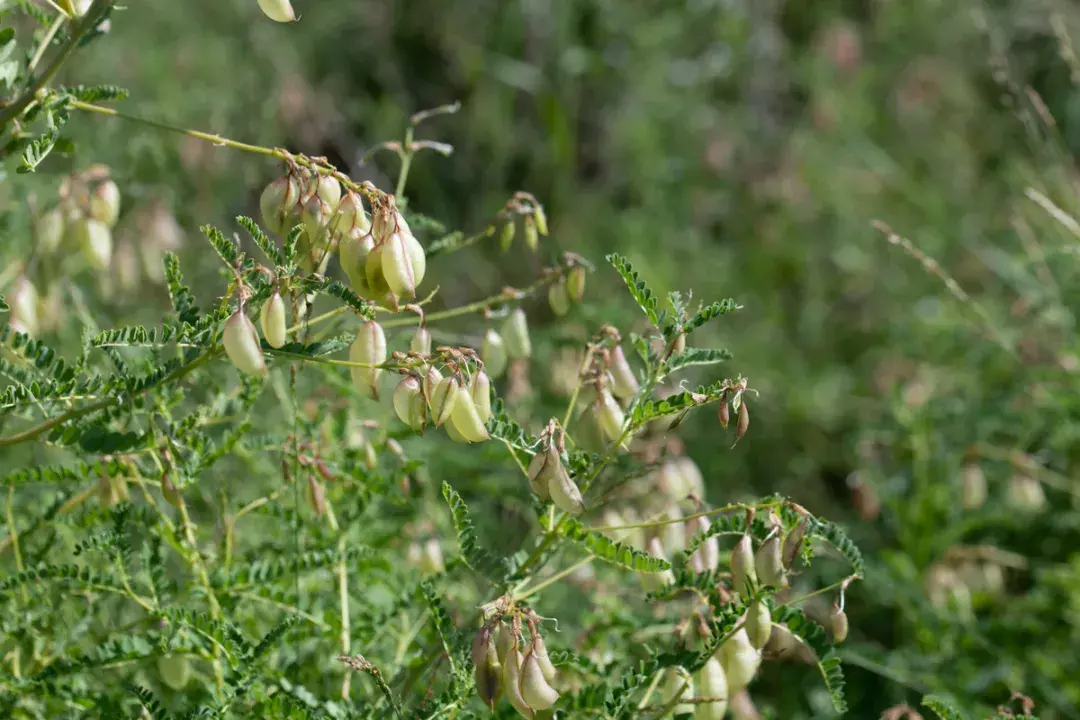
<point x="554" y="578"/>
<point x="13" y="535"/>
<point x="577" y="387"/>
<point x="57" y="22"/>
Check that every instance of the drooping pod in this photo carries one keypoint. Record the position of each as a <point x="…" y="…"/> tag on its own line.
<point x="278" y="10"/>
<point x="512" y="682"/>
<point x="316" y="218"/>
<point x="349" y="215"/>
<point x="565" y="493"/>
<point x="466" y="420"/>
<point x="1026" y="493"/>
<point x="974" y="486"/>
<point x="480" y="391"/>
<point x="624" y="382"/>
<point x="175" y="671"/>
<point x="539" y="649"/>
<point x="712" y="683"/>
<point x="493" y="353"/>
<point x="487" y="669"/>
<point x="691" y="475"/>
<point x="758" y="623"/>
<point x="23" y="302"/>
<point x="325" y="187"/>
<point x="535" y="690"/>
<point x="444" y="399"/>
<point x="95" y="240"/>
<point x="707" y="555"/>
<point x="111" y="490"/>
<point x="277" y="202"/>
<point x="421" y="341"/>
<point x="504" y="640"/>
<point x="743" y="573"/>
<point x="49" y="230"/>
<point x="559" y="298"/>
<point x="506" y="235"/>
<point x="516" y="334"/>
<point x="673" y="534"/>
<point x="839" y="621"/>
<point x="397" y="267"/>
<point x="242" y="344"/>
<point x="654" y="582"/>
<point x="575" y="283"/>
<point x="431" y="557"/>
<point x="609" y="416"/>
<point x="740" y="660"/>
<point x="368" y="348"/>
<point x="409" y="403"/>
<point x="353" y="249"/>
<point x="272" y="319"/>
<point x="769" y="563"/>
<point x="105" y="203"/>
<point x="678" y="682"/>
<point x="543" y="467"/>
<point x="532" y="236"/>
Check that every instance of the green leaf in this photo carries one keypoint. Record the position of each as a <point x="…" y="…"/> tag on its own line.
<point x="697" y="356"/>
<point x="943" y="707"/>
<point x="326" y="286"/>
<point x="815" y="638"/>
<point x="616" y="553"/>
<point x="182" y="301"/>
<point x="833" y="534"/>
<point x="265" y="243"/>
<point x="227" y="249"/>
<point x="38" y="149"/>
<point x="3" y="304"/>
<point x="641" y="293"/>
<point x="95" y="93"/>
<point x="480" y="560"/>
<point x="709" y="312"/>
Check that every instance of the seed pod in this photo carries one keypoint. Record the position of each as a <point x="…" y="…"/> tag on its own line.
<point x="480" y="391"/>
<point x="974" y="486"/>
<point x="539" y="650"/>
<point x="444" y="398"/>
<point x="421" y="341"/>
<point x="316" y="496"/>
<point x="758" y="623"/>
<point x="558" y="298"/>
<point x="769" y="564"/>
<point x="712" y="683"/>
<point x="506" y="235"/>
<point x="414" y="250"/>
<point x="535" y="690"/>
<point x="272" y="320"/>
<point x="373" y="270"/>
<point x="278" y="10"/>
<point x="493" y="353"/>
<point x="111" y="490"/>
<point x="325" y="187"/>
<point x="671" y="481"/>
<point x="532" y="237"/>
<point x="431" y="558"/>
<point x="353" y="249"/>
<point x="409" y="403"/>
<point x="277" y="202"/>
<point x="169" y="491"/>
<point x="504" y="640"/>
<point x="349" y="215"/>
<point x="242" y="344"/>
<point x="95" y="240"/>
<point x="397" y="267"/>
<point x="49" y="231"/>
<point x="174" y="671"/>
<point x="743" y="574"/>
<point x="125" y="268"/>
<point x="740" y="661"/>
<point x="794" y="541"/>
<point x="565" y="493"/>
<point x="707" y="555"/>
<point x="512" y="682"/>
<point x="466" y="420"/>
<point x="723" y="412"/>
<point x="543" y="467"/>
<point x="316" y="217"/>
<point x="609" y="416"/>
<point x="516" y="334"/>
<point x="105" y="203"/>
<point x="369" y="348"/>
<point x="744" y="421"/>
<point x="1026" y="494"/>
<point x="575" y="283"/>
<point x="624" y="382"/>
<point x="540" y="218"/>
<point x="839" y="624"/>
<point x="486" y="668"/>
<point x="677" y="681"/>
<point x="680" y="345"/>
<point x="23" y="302"/>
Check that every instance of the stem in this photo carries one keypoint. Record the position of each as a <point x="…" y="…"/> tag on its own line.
<point x="14" y="536"/>
<point x="45" y="42"/>
<point x="73" y="502"/>
<point x="555" y="578"/>
<point x="669" y="521"/>
<point x="577" y="387"/>
<point x="406" y="161"/>
<point x="343" y="595"/>
<point x="195" y="559"/>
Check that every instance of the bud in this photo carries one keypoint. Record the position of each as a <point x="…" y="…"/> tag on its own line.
<point x="493" y="353"/>
<point x="95" y="240"/>
<point x="512" y="681"/>
<point x="466" y="420"/>
<point x="431" y="558"/>
<point x="242" y="344"/>
<point x="565" y="493"/>
<point x="540" y="218"/>
<point x="368" y="348"/>
<point x="543" y="467"/>
<point x="740" y="661"/>
<point x="839" y="624"/>
<point x="23" y="302"/>
<point x="316" y="496"/>
<point x="532" y="238"/>
<point x="480" y="390"/>
<point x="486" y="668"/>
<point x="769" y="564"/>
<point x="974" y="485"/>
<point x="277" y="202"/>
<point x="409" y="403"/>
<point x="609" y="416"/>
<point x="743" y="574"/>
<point x="558" y="298"/>
<point x="105" y="203"/>
<point x="174" y="671"/>
<point x="516" y="334"/>
<point x="443" y="399"/>
<point x="707" y="555"/>
<point x="1026" y="494"/>
<point x="535" y="690"/>
<point x="575" y="283"/>
<point x="624" y="383"/>
<point x="421" y="341"/>
<point x="49" y="231"/>
<point x="278" y="10"/>
<point x="272" y="320"/>
<point x="506" y="235"/>
<point x="712" y="683"/>
<point x="758" y="623"/>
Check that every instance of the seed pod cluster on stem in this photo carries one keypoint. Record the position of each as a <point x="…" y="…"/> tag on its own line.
<point x="548" y="477"/>
<point x="504" y="663"/>
<point x="533" y="220"/>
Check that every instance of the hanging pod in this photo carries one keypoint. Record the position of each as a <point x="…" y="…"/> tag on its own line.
<point x="431" y="557"/>
<point x="609" y="416"/>
<point x="678" y="682"/>
<point x="542" y="468"/>
<point x="539" y="649"/>
<point x="769" y="563"/>
<point x="743" y="574"/>
<point x="466" y="420"/>
<point x="559" y="298"/>
<point x="480" y="391"/>
<point x="49" y="231"/>
<point x="487" y="670"/>
<point x="105" y="203"/>
<point x="654" y="582"/>
<point x="421" y="341"/>
<point x="516" y="334"/>
<point x="740" y="660"/>
<point x="353" y="249"/>
<point x="277" y="202"/>
<point x="272" y="319"/>
<point x="535" y="690"/>
<point x="350" y="216"/>
<point x="368" y="348"/>
<point x="565" y="493"/>
<point x="493" y="353"/>
<point x="397" y="267"/>
<point x="707" y="555"/>
<point x="278" y="10"/>
<point x="758" y="623"/>
<point x="712" y="683"/>
<point x="673" y="534"/>
<point x="575" y="283"/>
<point x="409" y="403"/>
<point x="444" y="399"/>
<point x="242" y="344"/>
<point x="23" y="302"/>
<point x="624" y="383"/>
<point x="512" y="682"/>
<point x="95" y="240"/>
<point x="175" y="671"/>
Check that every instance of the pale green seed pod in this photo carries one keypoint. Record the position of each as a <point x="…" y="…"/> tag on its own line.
<point x="353" y="249"/>
<point x="558" y="298"/>
<point x="480" y="390"/>
<point x="680" y="345"/>
<point x="125" y="267"/>
<point x="974" y="486"/>
<point x="316" y="217"/>
<point x="740" y="660"/>
<point x="95" y="240"/>
<point x="575" y="283"/>
<point x="532" y="237"/>
<point x="543" y="467"/>
<point x="174" y="671"/>
<point x="105" y="203"/>
<point x="431" y="557"/>
<point x="540" y="218"/>
<point x="609" y="416"/>
<point x="369" y="348"/>
<point x="466" y="420"/>
<point x="397" y="267"/>
<point x="677" y="681"/>
<point x="49" y="230"/>
<point x="506" y="235"/>
<point x="242" y="344"/>
<point x="325" y="187"/>
<point x="272" y="320"/>
<point x="839" y="621"/>
<point x="565" y="493"/>
<point x="493" y="353"/>
<point x="769" y="563"/>
<point x="624" y="382"/>
<point x="373" y="268"/>
<point x="671" y="481"/>
<point x="516" y="335"/>
<point x="1026" y="494"/>
<point x="276" y="204"/>
<point x="278" y="10"/>
<point x="743" y="573"/>
<point x="707" y="555"/>
<point x="504" y="640"/>
<point x="415" y="251"/>
<point x="421" y="341"/>
<point x="758" y="623"/>
<point x="443" y="399"/>
<point x="712" y="683"/>
<point x="539" y="650"/>
<point x="111" y="490"/>
<point x="349" y="215"/>
<point x="406" y="395"/>
<point x="23" y="303"/>
<point x="512" y="682"/>
<point x="535" y="690"/>
<point x="487" y="669"/>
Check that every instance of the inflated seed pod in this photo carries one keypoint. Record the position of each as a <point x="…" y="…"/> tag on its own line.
<point x="516" y="335"/>
<point x="397" y="267"/>
<point x="707" y="555"/>
<point x="609" y="416"/>
<point x="272" y="319"/>
<point x="350" y="216"/>
<point x="558" y="298"/>
<point x="431" y="557"/>
<point x="758" y="623"/>
<point x="678" y="682"/>
<point x="493" y="353"/>
<point x="974" y="486"/>
<point x="506" y="235"/>
<point x="539" y="649"/>
<point x="1026" y="493"/>
<point x="278" y="10"/>
<point x="421" y="341"/>
<point x="542" y="468"/>
<point x="49" y="231"/>
<point x="409" y="403"/>
<point x="466" y="420"/>
<point x="769" y="563"/>
<point x="565" y="493"/>
<point x="535" y="690"/>
<point x="624" y="382"/>
<point x="444" y="399"/>
<point x="673" y="534"/>
<point x="487" y="670"/>
<point x="175" y="671"/>
<point x="512" y="682"/>
<point x="743" y="572"/>
<point x="23" y="302"/>
<point x="653" y="582"/>
<point x="691" y="474"/>
<point x="504" y="640"/>
<point x="95" y="240"/>
<point x="277" y="202"/>
<point x="369" y="348"/>
<point x="242" y="344"/>
<point x="373" y="270"/>
<point x="316" y="218"/>
<point x="712" y="682"/>
<point x="105" y="203"/>
<point x="532" y="236"/>
<point x="480" y="390"/>
<point x="839" y="621"/>
<point x="740" y="660"/>
<point x="575" y="283"/>
<point x="353" y="249"/>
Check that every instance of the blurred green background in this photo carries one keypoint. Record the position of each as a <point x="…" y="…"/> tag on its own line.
<point x="738" y="148"/>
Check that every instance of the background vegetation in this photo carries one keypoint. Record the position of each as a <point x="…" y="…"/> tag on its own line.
<point x="754" y="150"/>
